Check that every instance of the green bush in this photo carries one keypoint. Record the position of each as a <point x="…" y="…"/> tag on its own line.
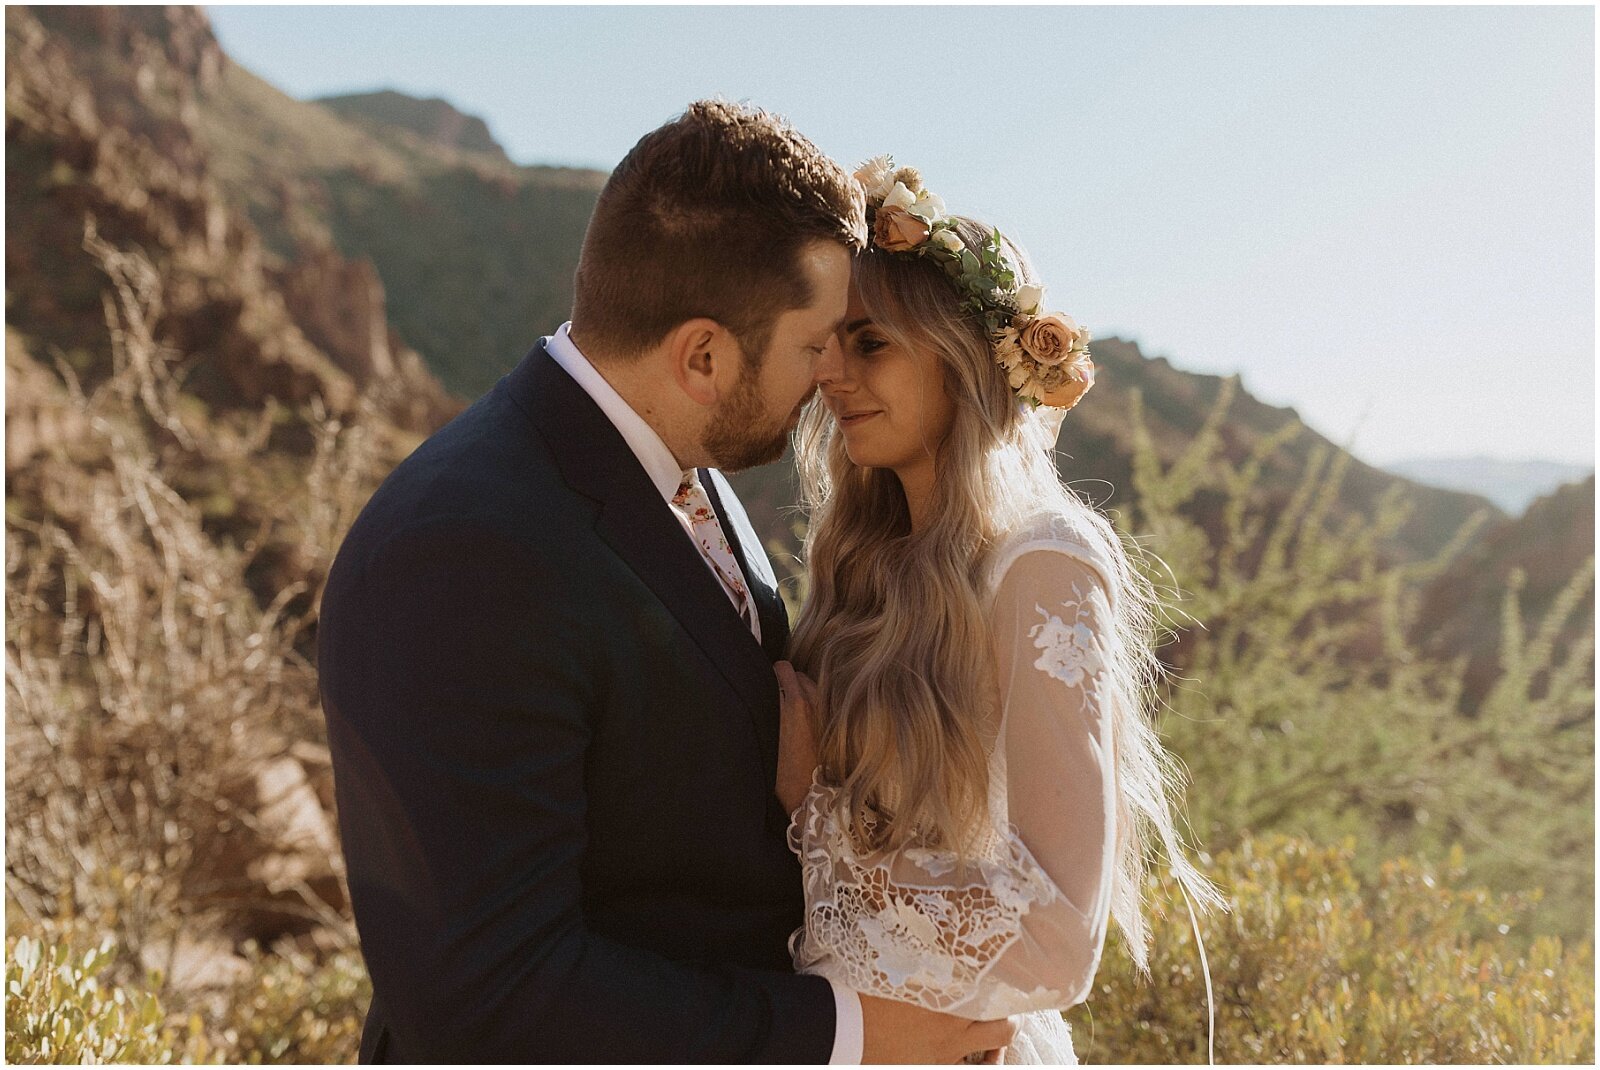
<point x="295" y="1010"/>
<point x="1302" y="705"/>
<point x="60" y="1010"/>
<point x="1311" y="965"/>
<point x="62" y="1006"/>
<point x="1314" y="965"/>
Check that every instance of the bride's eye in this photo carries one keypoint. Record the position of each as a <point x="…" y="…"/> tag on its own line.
<point x="867" y="344"/>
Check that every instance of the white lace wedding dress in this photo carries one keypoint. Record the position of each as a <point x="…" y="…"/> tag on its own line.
<point x="1023" y="932"/>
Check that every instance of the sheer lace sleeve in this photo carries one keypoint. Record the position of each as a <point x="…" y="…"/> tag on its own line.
<point x="1024" y="929"/>
<point x="1053" y="613"/>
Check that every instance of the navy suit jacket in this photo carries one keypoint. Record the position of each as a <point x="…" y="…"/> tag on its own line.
<point x="554" y="747"/>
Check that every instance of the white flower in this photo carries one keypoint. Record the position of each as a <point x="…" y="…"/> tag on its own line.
<point x="899" y="197"/>
<point x="1080" y="342"/>
<point x="929" y="207"/>
<point x="1009" y="892"/>
<point x="906" y="946"/>
<point x="1008" y="349"/>
<point x="896" y="962"/>
<point x="1019" y="374"/>
<point x="933" y="863"/>
<point x="1052" y="633"/>
<point x="907" y="919"/>
<point x="1030" y="298"/>
<point x="1069" y="651"/>
<point x="935" y="907"/>
<point x="871" y="175"/>
<point x="950" y="240"/>
<point x="1001" y="1000"/>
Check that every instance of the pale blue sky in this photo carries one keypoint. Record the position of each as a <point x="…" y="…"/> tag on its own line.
<point x="1381" y="216"/>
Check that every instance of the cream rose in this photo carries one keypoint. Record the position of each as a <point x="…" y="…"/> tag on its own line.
<point x="1029" y="298"/>
<point x="897" y="230"/>
<point x="1049" y="339"/>
<point x="950" y="240"/>
<point x="929" y="207"/>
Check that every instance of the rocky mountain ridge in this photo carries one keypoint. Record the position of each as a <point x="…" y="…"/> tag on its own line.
<point x="435" y="121"/>
<point x="84" y="158"/>
<point x="476" y="254"/>
<point x="321" y="248"/>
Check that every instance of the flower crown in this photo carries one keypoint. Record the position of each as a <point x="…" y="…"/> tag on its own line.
<point x="1045" y="355"/>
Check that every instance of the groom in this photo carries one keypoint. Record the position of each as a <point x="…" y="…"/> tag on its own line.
<point x="547" y="646"/>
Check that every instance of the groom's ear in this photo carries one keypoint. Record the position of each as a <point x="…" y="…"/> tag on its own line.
<point x="704" y="358"/>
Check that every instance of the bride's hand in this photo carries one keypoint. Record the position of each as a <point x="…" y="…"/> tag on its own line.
<point x="799" y="726"/>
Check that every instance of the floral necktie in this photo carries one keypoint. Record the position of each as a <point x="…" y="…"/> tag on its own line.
<point x="692" y="502"/>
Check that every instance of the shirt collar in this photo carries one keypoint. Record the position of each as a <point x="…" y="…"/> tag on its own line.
<point x="657" y="460"/>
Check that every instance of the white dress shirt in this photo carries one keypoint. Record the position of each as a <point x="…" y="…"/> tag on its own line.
<point x="658" y="462"/>
<point x="667" y="475"/>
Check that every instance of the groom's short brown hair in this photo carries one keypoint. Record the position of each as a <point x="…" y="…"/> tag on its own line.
<point x="706" y="216"/>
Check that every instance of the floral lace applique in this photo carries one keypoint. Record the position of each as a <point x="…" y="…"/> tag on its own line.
<point x="929" y="944"/>
<point x="933" y="863"/>
<point x="1070" y="651"/>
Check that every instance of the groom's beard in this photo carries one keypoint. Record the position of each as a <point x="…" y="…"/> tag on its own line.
<point x="741" y="434"/>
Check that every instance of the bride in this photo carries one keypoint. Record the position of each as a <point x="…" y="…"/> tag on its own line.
<point x="973" y="775"/>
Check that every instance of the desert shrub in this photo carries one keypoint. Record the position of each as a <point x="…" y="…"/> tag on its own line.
<point x="1315" y="965"/>
<point x="1311" y="965"/>
<point x="166" y="785"/>
<point x="158" y="710"/>
<point x="1299" y="705"/>
<point x="71" y="998"/>
<point x="60" y="1009"/>
<point x="294" y="1009"/>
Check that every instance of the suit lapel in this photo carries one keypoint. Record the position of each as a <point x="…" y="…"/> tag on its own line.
<point x="747" y="550"/>
<point x="768" y="603"/>
<point x="639" y="526"/>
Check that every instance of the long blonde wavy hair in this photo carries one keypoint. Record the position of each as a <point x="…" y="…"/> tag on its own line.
<point x="896" y="631"/>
